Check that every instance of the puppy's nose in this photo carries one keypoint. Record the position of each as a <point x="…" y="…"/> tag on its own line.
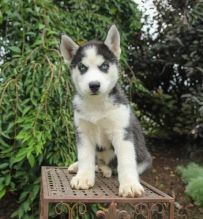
<point x="94" y="86"/>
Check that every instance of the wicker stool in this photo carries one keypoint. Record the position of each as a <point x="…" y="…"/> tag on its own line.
<point x="55" y="188"/>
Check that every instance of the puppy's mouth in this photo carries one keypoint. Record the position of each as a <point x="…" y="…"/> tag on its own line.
<point x="95" y="93"/>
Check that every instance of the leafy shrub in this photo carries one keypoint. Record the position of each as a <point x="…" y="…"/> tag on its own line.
<point x="195" y="190"/>
<point x="169" y="64"/>
<point x="35" y="90"/>
<point x="193" y="176"/>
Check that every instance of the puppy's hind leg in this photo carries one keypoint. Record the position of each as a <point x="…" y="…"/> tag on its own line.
<point x="144" y="164"/>
<point x="73" y="168"/>
<point x="105" y="170"/>
<point x="142" y="167"/>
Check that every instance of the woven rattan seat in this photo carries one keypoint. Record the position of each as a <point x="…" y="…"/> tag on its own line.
<point x="55" y="188"/>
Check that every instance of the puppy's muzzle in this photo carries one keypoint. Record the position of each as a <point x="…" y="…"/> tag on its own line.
<point x="94" y="86"/>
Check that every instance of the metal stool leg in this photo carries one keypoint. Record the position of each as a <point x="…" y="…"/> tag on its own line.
<point x="44" y="210"/>
<point x="172" y="210"/>
<point x="44" y="206"/>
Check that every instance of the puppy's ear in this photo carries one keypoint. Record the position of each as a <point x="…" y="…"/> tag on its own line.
<point x="113" y="41"/>
<point x="68" y="48"/>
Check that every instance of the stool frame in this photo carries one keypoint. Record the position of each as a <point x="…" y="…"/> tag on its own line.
<point x="55" y="188"/>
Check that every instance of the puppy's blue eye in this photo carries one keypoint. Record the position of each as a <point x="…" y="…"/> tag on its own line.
<point x="82" y="68"/>
<point x="104" y="67"/>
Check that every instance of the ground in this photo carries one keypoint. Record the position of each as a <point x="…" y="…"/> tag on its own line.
<point x="163" y="175"/>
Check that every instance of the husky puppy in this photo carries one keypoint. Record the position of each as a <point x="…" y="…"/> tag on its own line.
<point x="106" y="128"/>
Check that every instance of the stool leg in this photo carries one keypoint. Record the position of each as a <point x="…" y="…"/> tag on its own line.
<point x="44" y="210"/>
<point x="44" y="206"/>
<point x="41" y="204"/>
<point x="172" y="210"/>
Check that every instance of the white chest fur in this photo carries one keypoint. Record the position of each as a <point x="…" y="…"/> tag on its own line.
<point x="100" y="118"/>
<point x="95" y="110"/>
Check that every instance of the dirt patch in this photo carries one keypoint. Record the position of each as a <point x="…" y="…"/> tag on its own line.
<point x="164" y="176"/>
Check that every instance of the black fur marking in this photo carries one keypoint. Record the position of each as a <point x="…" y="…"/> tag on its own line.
<point x="128" y="134"/>
<point x="76" y="108"/>
<point x="77" y="134"/>
<point x="113" y="165"/>
<point x="83" y="69"/>
<point x="104" y="67"/>
<point x="77" y="58"/>
<point x="100" y="148"/>
<point x="118" y="96"/>
<point x="135" y="134"/>
<point x="102" y="50"/>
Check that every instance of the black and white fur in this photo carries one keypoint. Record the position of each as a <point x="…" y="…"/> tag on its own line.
<point x="106" y="128"/>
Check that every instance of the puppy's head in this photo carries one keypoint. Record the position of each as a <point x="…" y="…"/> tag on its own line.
<point x="94" y="66"/>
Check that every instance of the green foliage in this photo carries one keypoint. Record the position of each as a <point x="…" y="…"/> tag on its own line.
<point x="190" y="172"/>
<point x="195" y="190"/>
<point x="36" y="125"/>
<point x="193" y="177"/>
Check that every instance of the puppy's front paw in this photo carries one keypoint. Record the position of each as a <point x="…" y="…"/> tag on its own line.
<point x="82" y="182"/>
<point x="131" y="190"/>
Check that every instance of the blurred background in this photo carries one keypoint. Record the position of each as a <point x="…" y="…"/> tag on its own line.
<point x="161" y="72"/>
